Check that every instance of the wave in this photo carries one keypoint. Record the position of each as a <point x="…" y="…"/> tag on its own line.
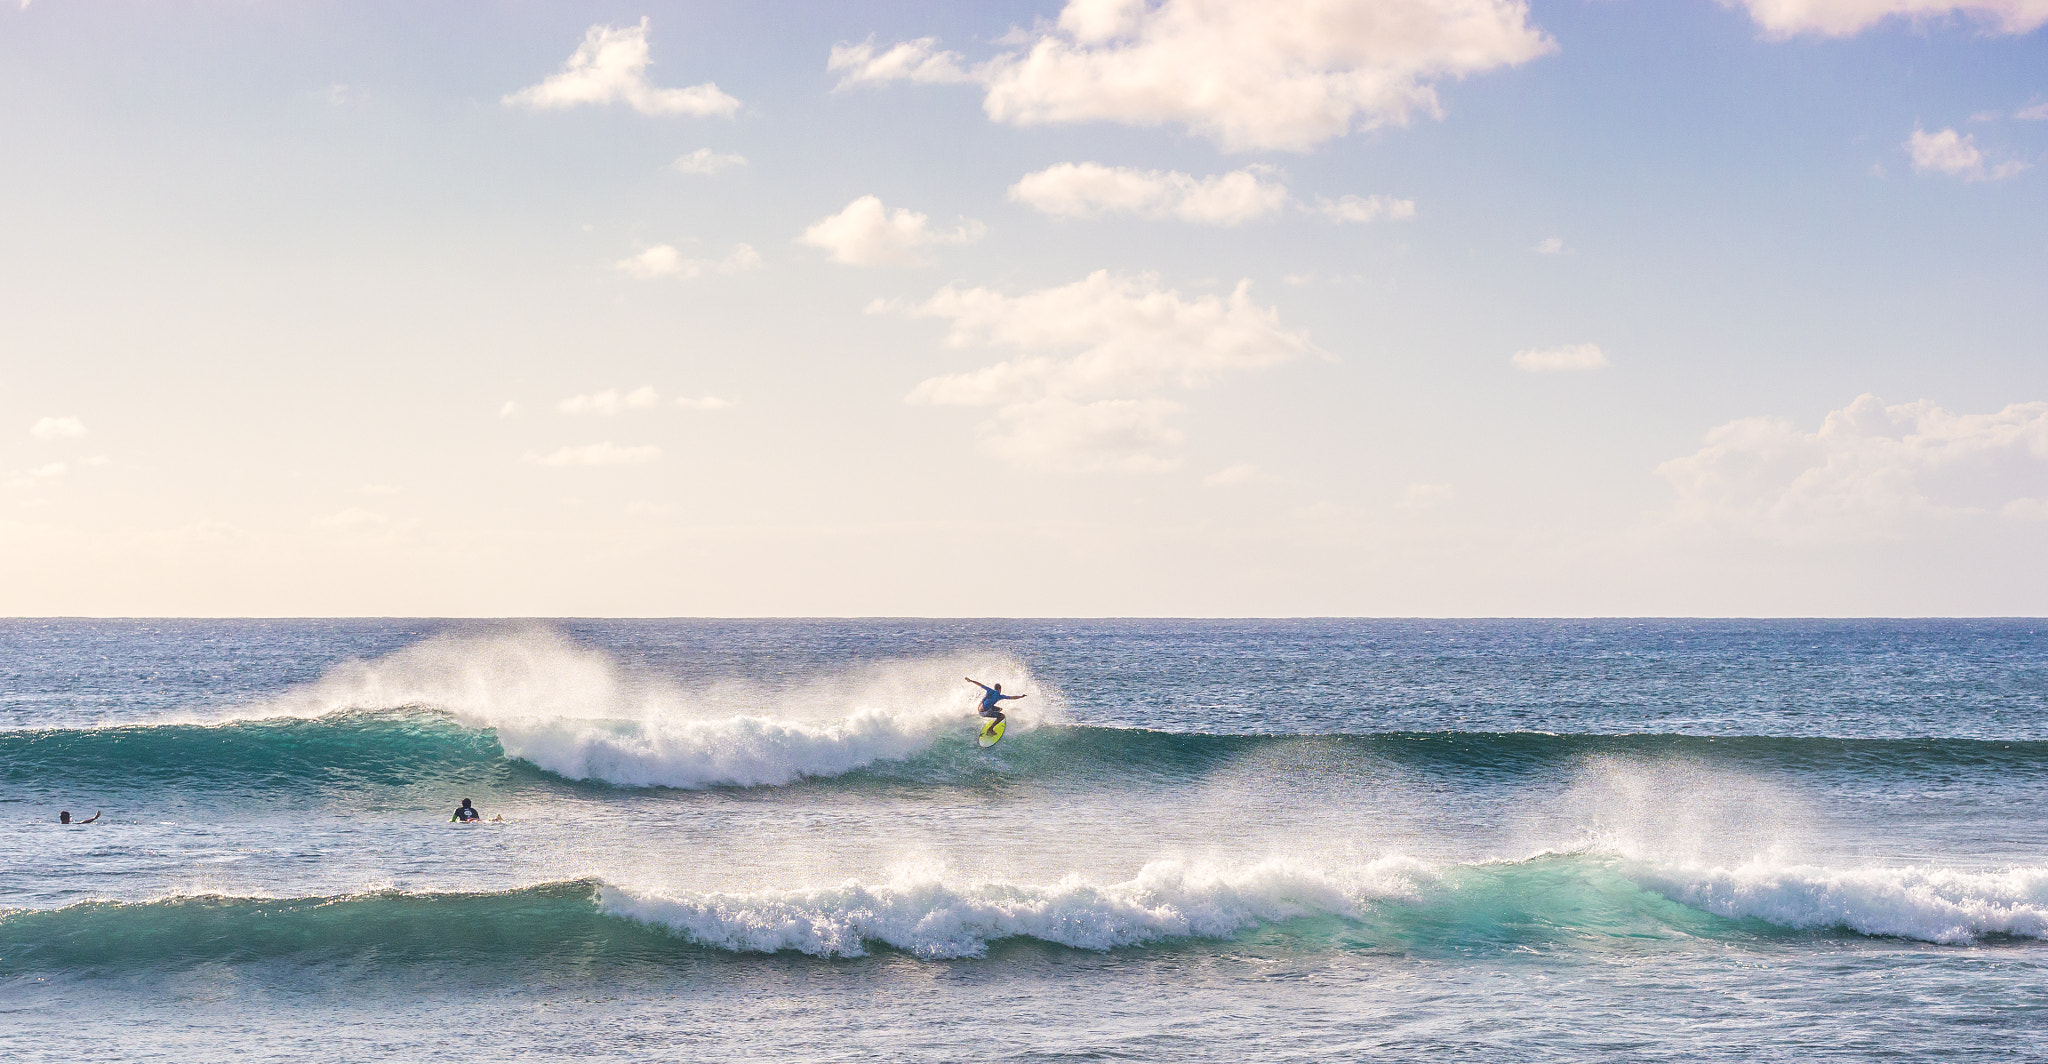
<point x="461" y="706"/>
<point x="1578" y="901"/>
<point x="415" y="744"/>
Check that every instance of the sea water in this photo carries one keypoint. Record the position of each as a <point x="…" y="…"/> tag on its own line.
<point x="1200" y="840"/>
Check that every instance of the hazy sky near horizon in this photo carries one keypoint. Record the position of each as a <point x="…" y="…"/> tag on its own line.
<point x="1173" y="307"/>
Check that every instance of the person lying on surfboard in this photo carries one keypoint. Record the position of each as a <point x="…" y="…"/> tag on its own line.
<point x="990" y="701"/>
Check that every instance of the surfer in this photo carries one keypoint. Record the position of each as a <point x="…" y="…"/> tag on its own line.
<point x="466" y="814"/>
<point x="64" y="817"/>
<point x="992" y="699"/>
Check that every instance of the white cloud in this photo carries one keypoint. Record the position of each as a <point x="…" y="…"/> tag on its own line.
<point x="610" y="66"/>
<point x="916" y="61"/>
<point x="1365" y="208"/>
<point x="1564" y="359"/>
<point x="1869" y="472"/>
<point x="57" y="428"/>
<point x="1426" y="496"/>
<point x="2035" y="113"/>
<point x="597" y="454"/>
<point x="610" y="401"/>
<point x="708" y="402"/>
<point x="1232" y="475"/>
<point x="866" y="233"/>
<point x="1086" y="190"/>
<point x="510" y="409"/>
<point x="1285" y="74"/>
<point x="706" y="161"/>
<point x="1841" y="18"/>
<point x="1091" y="357"/>
<point x="663" y="260"/>
<point x="1949" y="152"/>
<point x="1552" y="246"/>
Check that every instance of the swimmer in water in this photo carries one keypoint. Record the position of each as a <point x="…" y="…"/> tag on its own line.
<point x="465" y="814"/>
<point x="64" y="817"/>
<point x="992" y="699"/>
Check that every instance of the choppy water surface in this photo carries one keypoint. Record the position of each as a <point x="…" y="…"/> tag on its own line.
<point x="1311" y="840"/>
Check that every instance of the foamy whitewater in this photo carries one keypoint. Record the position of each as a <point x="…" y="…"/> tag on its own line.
<point x="1199" y="840"/>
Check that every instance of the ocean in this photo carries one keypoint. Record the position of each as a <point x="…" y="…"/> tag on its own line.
<point x="1627" y="840"/>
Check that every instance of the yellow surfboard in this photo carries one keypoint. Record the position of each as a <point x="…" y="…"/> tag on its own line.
<point x="993" y="732"/>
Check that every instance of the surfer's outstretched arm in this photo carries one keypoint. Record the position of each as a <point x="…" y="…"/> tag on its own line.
<point x="1008" y="697"/>
<point x="977" y="683"/>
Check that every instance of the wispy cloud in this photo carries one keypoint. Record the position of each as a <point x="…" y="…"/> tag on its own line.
<point x="1843" y="18"/>
<point x="706" y="161"/>
<point x="611" y="401"/>
<point x="1567" y="359"/>
<point x="1087" y="190"/>
<point x="916" y="61"/>
<point x="663" y="260"/>
<point x="610" y="66"/>
<point x="597" y="454"/>
<point x="57" y="428"/>
<point x="1870" y="471"/>
<point x="1093" y="359"/>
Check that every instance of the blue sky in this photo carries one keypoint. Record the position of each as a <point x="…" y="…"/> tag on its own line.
<point x="338" y="308"/>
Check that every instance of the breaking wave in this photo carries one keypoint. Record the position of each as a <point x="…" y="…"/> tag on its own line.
<point x="1582" y="901"/>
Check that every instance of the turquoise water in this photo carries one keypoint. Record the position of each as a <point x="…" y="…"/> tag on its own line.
<point x="1511" y="840"/>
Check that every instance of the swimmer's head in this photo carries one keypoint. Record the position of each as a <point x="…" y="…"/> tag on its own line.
<point x="999" y="687"/>
<point x="64" y="816"/>
<point x="465" y="803"/>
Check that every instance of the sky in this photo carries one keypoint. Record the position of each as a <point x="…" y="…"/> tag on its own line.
<point x="1095" y="308"/>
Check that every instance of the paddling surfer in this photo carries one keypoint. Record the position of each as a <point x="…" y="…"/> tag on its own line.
<point x="64" y="817"/>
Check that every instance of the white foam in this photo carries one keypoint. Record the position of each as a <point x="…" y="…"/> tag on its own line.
<point x="573" y="710"/>
<point x="923" y="911"/>
<point x="1929" y="904"/>
<point x="927" y="912"/>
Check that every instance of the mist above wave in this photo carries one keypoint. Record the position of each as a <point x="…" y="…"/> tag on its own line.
<point x="578" y="712"/>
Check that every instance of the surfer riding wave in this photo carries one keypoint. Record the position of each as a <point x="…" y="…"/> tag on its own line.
<point x="992" y="698"/>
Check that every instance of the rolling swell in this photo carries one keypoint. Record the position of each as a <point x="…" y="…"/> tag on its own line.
<point x="412" y="745"/>
<point x="1574" y="901"/>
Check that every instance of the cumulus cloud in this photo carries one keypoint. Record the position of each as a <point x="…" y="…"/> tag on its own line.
<point x="1551" y="246"/>
<point x="1842" y="18"/>
<point x="916" y="61"/>
<point x="597" y="454"/>
<point x="663" y="260"/>
<point x="1365" y="208"/>
<point x="705" y="161"/>
<point x="1564" y="359"/>
<point x="1285" y="74"/>
<point x="1949" y="152"/>
<point x="1870" y="471"/>
<point x="2035" y="113"/>
<point x="57" y="428"/>
<point x="1087" y="190"/>
<point x="610" y="66"/>
<point x="866" y="233"/>
<point x="510" y="409"/>
<point x="611" y="401"/>
<point x="1082" y="392"/>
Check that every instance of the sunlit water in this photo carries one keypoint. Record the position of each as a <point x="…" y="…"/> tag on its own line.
<point x="1200" y="841"/>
